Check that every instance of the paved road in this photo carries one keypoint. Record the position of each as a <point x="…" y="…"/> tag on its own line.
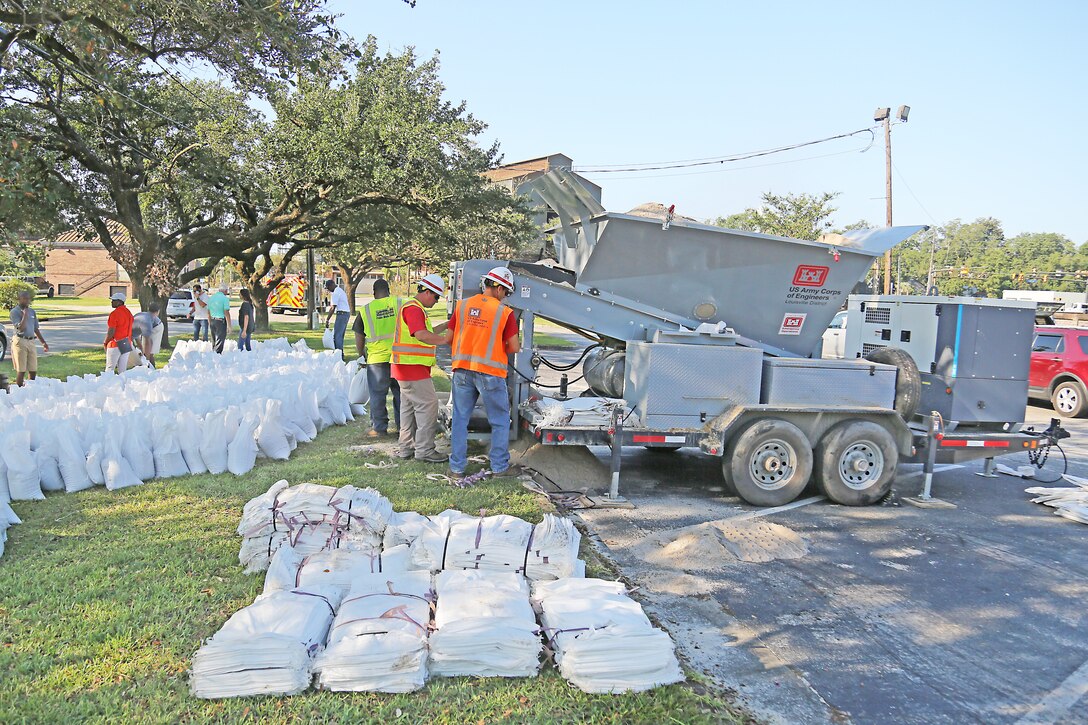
<point x="896" y="614"/>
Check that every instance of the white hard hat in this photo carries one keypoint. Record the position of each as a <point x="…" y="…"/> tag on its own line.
<point x="434" y="283"/>
<point x="119" y="296"/>
<point x="501" y="275"/>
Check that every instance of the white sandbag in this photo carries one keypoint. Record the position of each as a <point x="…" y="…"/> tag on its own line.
<point x="603" y="641"/>
<point x="48" y="468"/>
<point x="242" y="451"/>
<point x="136" y="451"/>
<point x="24" y="481"/>
<point x="5" y="492"/>
<point x="271" y="438"/>
<point x="190" y="429"/>
<point x="116" y="469"/>
<point x="358" y="411"/>
<point x="359" y="391"/>
<point x="95" y="460"/>
<point x="71" y="458"/>
<point x="378" y="641"/>
<point x="484" y="626"/>
<point x="213" y="443"/>
<point x="166" y="449"/>
<point x="327" y="339"/>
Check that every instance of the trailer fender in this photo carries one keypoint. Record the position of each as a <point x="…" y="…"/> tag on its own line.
<point x="814" y="423"/>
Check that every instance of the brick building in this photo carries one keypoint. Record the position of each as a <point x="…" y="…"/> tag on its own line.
<point x="516" y="178"/>
<point x="78" y="267"/>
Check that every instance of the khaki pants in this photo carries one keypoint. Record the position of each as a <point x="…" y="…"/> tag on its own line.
<point x="418" y="417"/>
<point x="24" y="355"/>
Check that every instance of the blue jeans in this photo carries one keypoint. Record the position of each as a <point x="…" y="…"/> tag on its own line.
<point x="339" y="327"/>
<point x="245" y="340"/>
<point x="380" y="383"/>
<point x="468" y="386"/>
<point x="197" y="324"/>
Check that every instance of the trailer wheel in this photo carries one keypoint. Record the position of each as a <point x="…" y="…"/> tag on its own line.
<point x="908" y="382"/>
<point x="855" y="463"/>
<point x="768" y="464"/>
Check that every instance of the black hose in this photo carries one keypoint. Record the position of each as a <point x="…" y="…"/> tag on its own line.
<point x="566" y="368"/>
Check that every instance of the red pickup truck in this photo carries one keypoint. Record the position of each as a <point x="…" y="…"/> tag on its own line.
<point x="1059" y="369"/>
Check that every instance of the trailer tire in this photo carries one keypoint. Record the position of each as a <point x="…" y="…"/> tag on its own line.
<point x="908" y="381"/>
<point x="856" y="462"/>
<point x="769" y="463"/>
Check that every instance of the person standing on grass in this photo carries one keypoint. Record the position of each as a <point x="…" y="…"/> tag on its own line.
<point x="339" y="306"/>
<point x="483" y="333"/>
<point x="24" y="351"/>
<point x="147" y="331"/>
<point x="118" y="341"/>
<point x="245" y="321"/>
<point x="374" y="339"/>
<point x="413" y="356"/>
<point x="201" y="319"/>
<point x="219" y="310"/>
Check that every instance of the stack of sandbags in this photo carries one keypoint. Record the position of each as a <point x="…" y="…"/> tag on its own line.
<point x="484" y="626"/>
<point x="337" y="568"/>
<point x="500" y="543"/>
<point x="266" y="648"/>
<point x="378" y="641"/>
<point x="311" y="518"/>
<point x="603" y="641"/>
<point x="1069" y="503"/>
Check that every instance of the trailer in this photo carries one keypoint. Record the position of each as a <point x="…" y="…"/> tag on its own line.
<point x="701" y="337"/>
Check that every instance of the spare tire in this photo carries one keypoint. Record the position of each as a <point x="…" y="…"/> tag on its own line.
<point x="908" y="381"/>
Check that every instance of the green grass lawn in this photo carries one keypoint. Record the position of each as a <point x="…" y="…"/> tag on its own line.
<point x="56" y="307"/>
<point x="104" y="597"/>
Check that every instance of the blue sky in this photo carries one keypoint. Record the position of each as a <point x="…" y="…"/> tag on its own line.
<point x="997" y="90"/>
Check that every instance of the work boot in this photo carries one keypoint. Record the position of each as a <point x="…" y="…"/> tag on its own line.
<point x="405" y="456"/>
<point x="433" y="458"/>
<point x="454" y="475"/>
<point x="513" y="471"/>
<point x="374" y="434"/>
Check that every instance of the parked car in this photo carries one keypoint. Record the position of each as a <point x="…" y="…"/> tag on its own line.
<point x="835" y="337"/>
<point x="1059" y="369"/>
<point x="180" y="306"/>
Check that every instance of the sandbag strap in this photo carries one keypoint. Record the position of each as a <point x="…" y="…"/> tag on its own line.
<point x="322" y="597"/>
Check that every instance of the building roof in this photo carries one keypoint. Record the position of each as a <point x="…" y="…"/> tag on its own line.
<point x="86" y="238"/>
<point x="526" y="167"/>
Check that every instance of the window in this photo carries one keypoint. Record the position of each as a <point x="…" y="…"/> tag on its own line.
<point x="838" y="322"/>
<point x="1048" y="343"/>
<point x="182" y="295"/>
<point x="115" y="288"/>
<point x="66" y="290"/>
<point x="1083" y="340"/>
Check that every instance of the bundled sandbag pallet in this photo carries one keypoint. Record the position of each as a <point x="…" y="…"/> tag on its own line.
<point x="337" y="568"/>
<point x="484" y="626"/>
<point x="311" y="518"/>
<point x="378" y="641"/>
<point x="266" y="648"/>
<point x="603" y="641"/>
<point x="548" y="550"/>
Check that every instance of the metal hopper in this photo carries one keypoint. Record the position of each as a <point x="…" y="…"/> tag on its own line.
<point x="778" y="292"/>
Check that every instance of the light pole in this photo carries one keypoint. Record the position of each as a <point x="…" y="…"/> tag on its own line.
<point x="885" y="115"/>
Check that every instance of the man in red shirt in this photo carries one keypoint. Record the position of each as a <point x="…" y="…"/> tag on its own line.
<point x="118" y="341"/>
<point x="413" y="356"/>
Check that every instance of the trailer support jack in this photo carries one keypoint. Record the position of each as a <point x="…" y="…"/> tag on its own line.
<point x="925" y="499"/>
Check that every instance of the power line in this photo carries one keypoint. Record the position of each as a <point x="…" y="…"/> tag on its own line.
<point x="724" y="159"/>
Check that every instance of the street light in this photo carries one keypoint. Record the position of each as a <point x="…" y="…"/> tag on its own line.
<point x="885" y="115"/>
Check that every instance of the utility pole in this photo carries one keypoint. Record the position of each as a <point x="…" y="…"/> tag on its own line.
<point x="885" y="115"/>
<point x="888" y="200"/>
<point x="311" y="290"/>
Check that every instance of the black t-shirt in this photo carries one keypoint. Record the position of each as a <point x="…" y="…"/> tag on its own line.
<point x="245" y="312"/>
<point x="357" y="326"/>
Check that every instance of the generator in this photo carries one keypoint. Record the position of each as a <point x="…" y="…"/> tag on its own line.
<point x="973" y="354"/>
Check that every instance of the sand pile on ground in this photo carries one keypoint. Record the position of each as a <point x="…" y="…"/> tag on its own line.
<point x="571" y="468"/>
<point x="716" y="544"/>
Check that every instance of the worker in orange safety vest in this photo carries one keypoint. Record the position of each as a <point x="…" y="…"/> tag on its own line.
<point x="483" y="334"/>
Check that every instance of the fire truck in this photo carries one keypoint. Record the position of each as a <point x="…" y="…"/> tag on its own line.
<point x="289" y="295"/>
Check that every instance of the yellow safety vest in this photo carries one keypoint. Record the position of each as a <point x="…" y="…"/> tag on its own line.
<point x="407" y="350"/>
<point x="381" y="325"/>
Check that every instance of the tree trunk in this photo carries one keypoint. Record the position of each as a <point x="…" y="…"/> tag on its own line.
<point x="350" y="283"/>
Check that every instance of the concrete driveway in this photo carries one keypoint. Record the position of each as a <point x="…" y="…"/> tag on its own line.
<point x="895" y="614"/>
